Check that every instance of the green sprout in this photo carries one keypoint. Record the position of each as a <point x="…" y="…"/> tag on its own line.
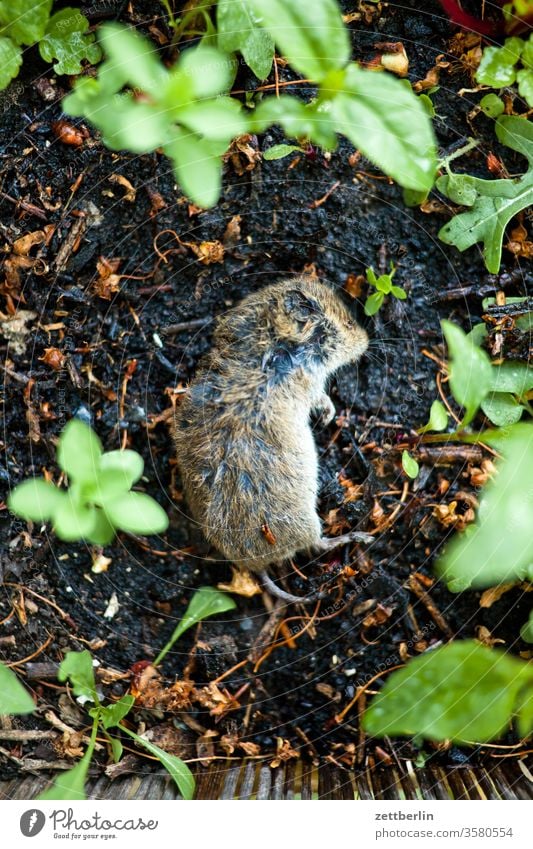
<point x="512" y="63"/>
<point x="207" y="601"/>
<point x="98" y="501"/>
<point x="489" y="204"/>
<point x="409" y="465"/>
<point x="77" y="668"/>
<point x="384" y="287"/>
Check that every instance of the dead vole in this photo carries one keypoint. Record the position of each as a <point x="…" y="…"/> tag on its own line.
<point x="244" y="444"/>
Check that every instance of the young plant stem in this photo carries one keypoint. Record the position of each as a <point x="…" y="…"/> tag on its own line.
<point x="171" y="19"/>
<point x="466" y="148"/>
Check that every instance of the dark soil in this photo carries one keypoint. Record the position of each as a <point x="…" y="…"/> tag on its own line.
<point x="297" y="691"/>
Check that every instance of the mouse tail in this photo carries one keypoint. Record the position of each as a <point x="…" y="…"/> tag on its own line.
<point x="277" y="592"/>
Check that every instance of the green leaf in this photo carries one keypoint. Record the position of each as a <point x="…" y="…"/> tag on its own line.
<point x="398" y="292"/>
<point x="478" y="333"/>
<point x="526" y="631"/>
<point x="79" y="451"/>
<point x="438" y="418"/>
<point x="214" y="119"/>
<point x="111" y="715"/>
<point x="107" y="487"/>
<point x="134" y="57"/>
<point x="126" y="123"/>
<point x="279" y="151"/>
<point x="502" y="409"/>
<point x="14" y="698"/>
<point x="409" y="465"/>
<point x="73" y="519"/>
<point x="127" y="465"/>
<point x="311" y="35"/>
<point x="470" y="370"/>
<point x="10" y="61"/>
<point x="373" y="303"/>
<point x="498" y="548"/>
<point x="371" y="276"/>
<point x="137" y="513"/>
<point x="238" y="30"/>
<point x="211" y="71"/>
<point x="384" y="284"/>
<point x="524" y="711"/>
<point x="179" y="770"/>
<point x="117" y="748"/>
<point x="35" y="500"/>
<point x="300" y="120"/>
<point x="69" y="785"/>
<point x="102" y="531"/>
<point x="493" y="202"/>
<point x="25" y="20"/>
<point x="198" y="170"/>
<point x="413" y="198"/>
<point x="387" y="122"/>
<point x="462" y="691"/>
<point x="492" y="105"/>
<point x="461" y="189"/>
<point x="496" y="68"/>
<point x="207" y="601"/>
<point x="77" y="667"/>
<point x="524" y="78"/>
<point x="67" y="40"/>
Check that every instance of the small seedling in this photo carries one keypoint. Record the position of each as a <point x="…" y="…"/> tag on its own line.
<point x="501" y="390"/>
<point x="492" y="203"/>
<point x="409" y="465"/>
<point x="98" y="501"/>
<point x="438" y="418"/>
<point x="63" y="37"/>
<point x="207" y="601"/>
<point x="280" y="151"/>
<point x="502" y="66"/>
<point x="77" y="668"/>
<point x="492" y="105"/>
<point x="384" y="287"/>
<point x="498" y="548"/>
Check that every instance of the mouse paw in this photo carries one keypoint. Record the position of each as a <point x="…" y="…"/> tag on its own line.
<point x="325" y="410"/>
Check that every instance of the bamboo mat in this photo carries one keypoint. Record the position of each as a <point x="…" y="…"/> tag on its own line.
<point x="255" y="780"/>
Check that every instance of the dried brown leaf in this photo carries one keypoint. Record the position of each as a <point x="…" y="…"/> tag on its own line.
<point x="242" y="583"/>
<point x="130" y="193"/>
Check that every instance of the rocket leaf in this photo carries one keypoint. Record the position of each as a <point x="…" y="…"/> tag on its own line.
<point x="493" y="202"/>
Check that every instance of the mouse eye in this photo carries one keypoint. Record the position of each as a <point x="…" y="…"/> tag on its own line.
<point x="300" y="307"/>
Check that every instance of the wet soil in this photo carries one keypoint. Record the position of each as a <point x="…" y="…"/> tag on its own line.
<point x="118" y="360"/>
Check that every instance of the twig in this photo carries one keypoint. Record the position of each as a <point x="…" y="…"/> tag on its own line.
<point x="62" y="613"/>
<point x="19" y="735"/>
<point x="430" y="606"/>
<point x="36" y="653"/>
<point x="360" y="690"/>
<point x="27" y="207"/>
<point x="172" y="329"/>
<point x="316" y="203"/>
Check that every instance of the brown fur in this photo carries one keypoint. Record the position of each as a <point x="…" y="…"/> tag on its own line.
<point x="243" y="440"/>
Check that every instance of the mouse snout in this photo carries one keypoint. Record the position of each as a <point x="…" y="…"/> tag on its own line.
<point x="356" y="338"/>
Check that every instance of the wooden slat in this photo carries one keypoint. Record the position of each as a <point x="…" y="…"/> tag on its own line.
<point x="255" y="780"/>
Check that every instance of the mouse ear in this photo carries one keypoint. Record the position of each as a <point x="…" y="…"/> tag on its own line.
<point x="299" y="306"/>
